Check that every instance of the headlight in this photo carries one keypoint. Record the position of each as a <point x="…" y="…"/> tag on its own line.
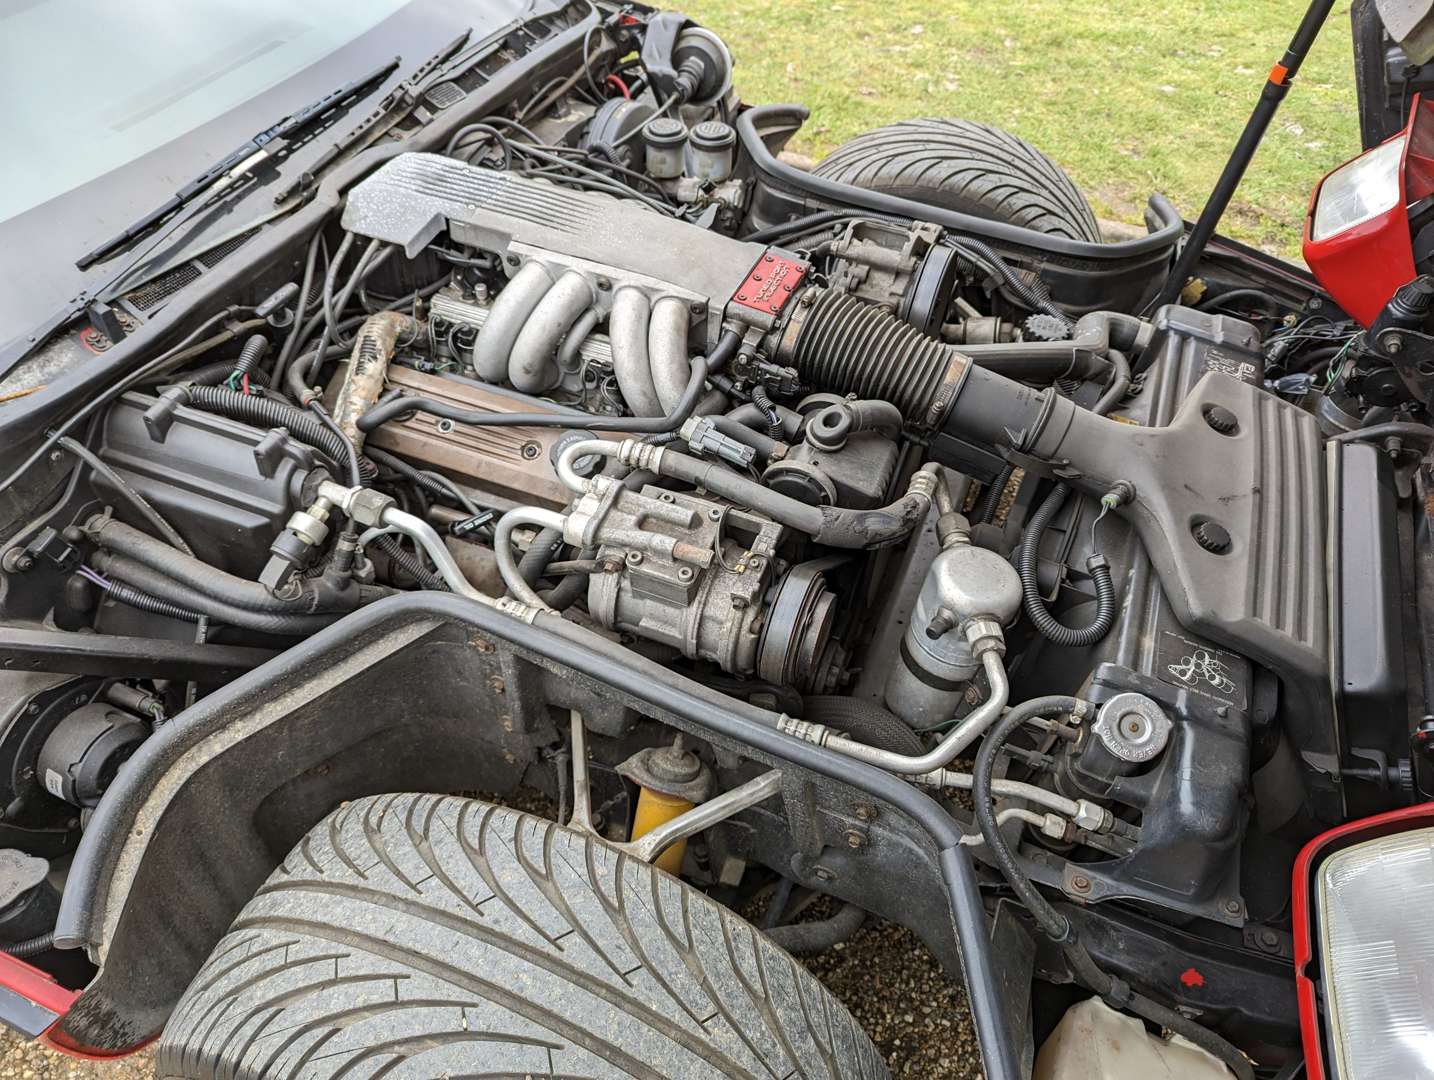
<point x="1373" y="902"/>
<point x="1358" y="191"/>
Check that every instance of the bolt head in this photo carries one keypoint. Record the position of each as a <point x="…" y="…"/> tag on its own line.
<point x="1213" y="537"/>
<point x="1080" y="883"/>
<point x="821" y="873"/>
<point x="854" y="839"/>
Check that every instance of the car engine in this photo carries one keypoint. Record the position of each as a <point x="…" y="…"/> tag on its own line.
<point x="590" y="361"/>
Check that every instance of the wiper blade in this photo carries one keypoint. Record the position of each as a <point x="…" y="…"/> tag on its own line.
<point x="397" y="104"/>
<point x="241" y="161"/>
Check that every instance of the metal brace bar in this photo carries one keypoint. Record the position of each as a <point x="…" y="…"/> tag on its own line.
<point x="652" y="844"/>
<point x="582" y="816"/>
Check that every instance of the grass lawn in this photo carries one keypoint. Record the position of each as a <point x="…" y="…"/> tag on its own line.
<point x="1130" y="97"/>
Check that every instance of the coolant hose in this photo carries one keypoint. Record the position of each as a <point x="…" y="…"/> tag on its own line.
<point x="540" y="552"/>
<point x="863" y="720"/>
<point x="1051" y="922"/>
<point x="830" y="525"/>
<point x="1045" y="623"/>
<point x="1116" y="385"/>
<point x="503" y="549"/>
<point x="750" y="416"/>
<point x="205" y="580"/>
<point x="819" y="936"/>
<point x="156" y="583"/>
<point x="368" y="368"/>
<point x="764" y="445"/>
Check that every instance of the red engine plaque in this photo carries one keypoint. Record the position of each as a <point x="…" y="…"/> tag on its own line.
<point x="771" y="283"/>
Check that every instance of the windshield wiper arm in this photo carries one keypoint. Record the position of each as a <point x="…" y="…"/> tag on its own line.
<point x="239" y="162"/>
<point x="397" y="103"/>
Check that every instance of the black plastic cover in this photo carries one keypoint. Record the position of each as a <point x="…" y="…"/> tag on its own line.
<point x="226" y="487"/>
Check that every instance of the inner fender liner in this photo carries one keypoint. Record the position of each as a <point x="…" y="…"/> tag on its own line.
<point x="210" y="804"/>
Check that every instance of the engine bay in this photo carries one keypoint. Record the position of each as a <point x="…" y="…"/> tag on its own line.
<point x="892" y="481"/>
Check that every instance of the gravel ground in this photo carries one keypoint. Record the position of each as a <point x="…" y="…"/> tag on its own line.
<point x="899" y="994"/>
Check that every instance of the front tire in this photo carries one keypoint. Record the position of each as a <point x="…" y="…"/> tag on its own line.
<point x="968" y="167"/>
<point x="420" y="935"/>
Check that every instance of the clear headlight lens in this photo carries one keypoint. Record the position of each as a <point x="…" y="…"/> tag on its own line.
<point x="1375" y="901"/>
<point x="1358" y="191"/>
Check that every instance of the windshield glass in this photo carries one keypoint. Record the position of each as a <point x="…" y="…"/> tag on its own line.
<point x="91" y="85"/>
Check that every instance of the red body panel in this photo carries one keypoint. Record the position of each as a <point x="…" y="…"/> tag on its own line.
<point x="1361" y="267"/>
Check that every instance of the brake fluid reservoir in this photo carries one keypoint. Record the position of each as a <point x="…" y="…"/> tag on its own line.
<point x="1094" y="1042"/>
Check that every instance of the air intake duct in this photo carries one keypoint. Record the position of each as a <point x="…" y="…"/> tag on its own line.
<point x="849" y="346"/>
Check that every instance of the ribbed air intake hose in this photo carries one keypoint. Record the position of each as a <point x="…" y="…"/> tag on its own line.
<point x="1045" y="623"/>
<point x="848" y="346"/>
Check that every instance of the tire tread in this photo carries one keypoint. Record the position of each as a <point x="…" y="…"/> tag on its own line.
<point x="966" y="166"/>
<point x="420" y="935"/>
